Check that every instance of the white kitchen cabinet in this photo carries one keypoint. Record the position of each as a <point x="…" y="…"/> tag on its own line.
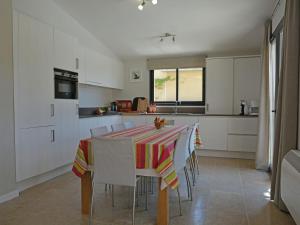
<point x="219" y="86"/>
<point x="34" y="79"/>
<point x="35" y="151"/>
<point x="185" y="120"/>
<point x="243" y="125"/>
<point x="81" y="65"/>
<point x="247" y="79"/>
<point x="213" y="132"/>
<point x="117" y="75"/>
<point x="67" y="131"/>
<point x="65" y="50"/>
<point x="137" y="120"/>
<point x="242" y="143"/>
<point x="97" y="68"/>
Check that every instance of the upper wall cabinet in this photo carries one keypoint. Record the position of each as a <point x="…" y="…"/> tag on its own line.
<point x="101" y="70"/>
<point x="65" y="51"/>
<point x="219" y="86"/>
<point x="247" y="77"/>
<point x="34" y="83"/>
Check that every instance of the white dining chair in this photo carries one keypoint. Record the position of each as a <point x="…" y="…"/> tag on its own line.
<point x="98" y="131"/>
<point x="114" y="163"/>
<point x="180" y="160"/>
<point x="118" y="127"/>
<point x="128" y="124"/>
<point x="193" y="161"/>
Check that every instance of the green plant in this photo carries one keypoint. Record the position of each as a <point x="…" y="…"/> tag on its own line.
<point x="160" y="82"/>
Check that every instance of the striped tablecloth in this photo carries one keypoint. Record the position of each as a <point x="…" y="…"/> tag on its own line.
<point x="154" y="149"/>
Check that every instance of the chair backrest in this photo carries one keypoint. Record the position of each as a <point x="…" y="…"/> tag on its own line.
<point x="114" y="161"/>
<point x="98" y="131"/>
<point x="128" y="124"/>
<point x="118" y="127"/>
<point x="192" y="138"/>
<point x="181" y="149"/>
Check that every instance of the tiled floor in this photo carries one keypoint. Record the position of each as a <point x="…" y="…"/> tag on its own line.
<point x="228" y="192"/>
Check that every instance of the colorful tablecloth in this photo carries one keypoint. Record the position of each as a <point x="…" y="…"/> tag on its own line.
<point x="154" y="149"/>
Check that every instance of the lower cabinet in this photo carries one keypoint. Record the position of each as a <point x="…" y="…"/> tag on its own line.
<point x="35" y="151"/>
<point x="137" y="120"/>
<point x="242" y="143"/>
<point x="213" y="132"/>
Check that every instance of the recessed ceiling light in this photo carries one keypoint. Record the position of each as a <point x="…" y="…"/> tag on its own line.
<point x="154" y="2"/>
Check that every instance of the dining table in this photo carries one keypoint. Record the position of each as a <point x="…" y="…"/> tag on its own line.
<point x="154" y="150"/>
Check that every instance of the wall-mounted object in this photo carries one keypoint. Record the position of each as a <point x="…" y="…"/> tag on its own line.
<point x="135" y="76"/>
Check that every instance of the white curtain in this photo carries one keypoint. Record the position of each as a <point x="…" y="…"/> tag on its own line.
<point x="262" y="154"/>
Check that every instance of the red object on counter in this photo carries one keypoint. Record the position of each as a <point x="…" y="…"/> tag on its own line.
<point x="124" y="105"/>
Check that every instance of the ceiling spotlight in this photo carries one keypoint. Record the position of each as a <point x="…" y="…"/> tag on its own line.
<point x="161" y="39"/>
<point x="173" y="38"/>
<point x="141" y="6"/>
<point x="154" y="2"/>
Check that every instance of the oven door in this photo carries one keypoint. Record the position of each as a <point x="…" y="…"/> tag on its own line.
<point x="65" y="88"/>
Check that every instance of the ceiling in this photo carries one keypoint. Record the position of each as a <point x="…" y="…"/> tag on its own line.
<point x="201" y="26"/>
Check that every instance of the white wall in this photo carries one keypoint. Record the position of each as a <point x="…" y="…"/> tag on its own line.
<point x="134" y="89"/>
<point x="7" y="151"/>
<point x="92" y="96"/>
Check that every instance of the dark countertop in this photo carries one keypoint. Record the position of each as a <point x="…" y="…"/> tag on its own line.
<point x="95" y="115"/>
<point x="186" y="114"/>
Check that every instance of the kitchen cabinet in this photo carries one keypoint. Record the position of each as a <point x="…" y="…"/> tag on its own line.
<point x="137" y="120"/>
<point x="35" y="151"/>
<point x="243" y="126"/>
<point x="247" y="79"/>
<point x="97" y="68"/>
<point x="242" y="143"/>
<point x="219" y="86"/>
<point x="34" y="82"/>
<point x="81" y="65"/>
<point x="213" y="132"/>
<point x="65" y="50"/>
<point x="67" y="129"/>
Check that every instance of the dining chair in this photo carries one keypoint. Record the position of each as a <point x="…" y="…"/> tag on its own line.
<point x="128" y="124"/>
<point x="193" y="160"/>
<point x="118" y="127"/>
<point x="114" y="163"/>
<point x="98" y="131"/>
<point x="180" y="160"/>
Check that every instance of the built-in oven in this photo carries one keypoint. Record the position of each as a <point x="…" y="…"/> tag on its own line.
<point x="66" y="84"/>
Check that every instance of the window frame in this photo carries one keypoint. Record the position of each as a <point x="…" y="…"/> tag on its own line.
<point x="179" y="103"/>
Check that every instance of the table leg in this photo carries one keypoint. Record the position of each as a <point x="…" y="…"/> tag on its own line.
<point x="163" y="205"/>
<point x="86" y="193"/>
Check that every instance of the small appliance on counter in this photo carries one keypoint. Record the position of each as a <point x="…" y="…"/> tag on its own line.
<point x="253" y="108"/>
<point x="113" y="107"/>
<point x="124" y="105"/>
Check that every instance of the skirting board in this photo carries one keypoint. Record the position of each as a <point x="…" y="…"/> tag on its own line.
<point x="9" y="196"/>
<point x="226" y="154"/>
<point x="33" y="181"/>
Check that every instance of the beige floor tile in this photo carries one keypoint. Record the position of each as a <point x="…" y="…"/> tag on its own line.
<point x="227" y="192"/>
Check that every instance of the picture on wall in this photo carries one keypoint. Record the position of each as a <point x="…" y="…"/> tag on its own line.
<point x="135" y="76"/>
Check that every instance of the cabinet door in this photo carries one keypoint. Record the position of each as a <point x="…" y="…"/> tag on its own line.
<point x="137" y="120"/>
<point x="67" y="131"/>
<point x="97" y="68"/>
<point x="65" y="49"/>
<point x="81" y="65"/>
<point x="242" y="143"/>
<point x="247" y="77"/>
<point x="85" y="124"/>
<point x="219" y="86"/>
<point x="34" y="83"/>
<point x="213" y="133"/>
<point x="117" y="75"/>
<point x="185" y="120"/>
<point x="35" y="149"/>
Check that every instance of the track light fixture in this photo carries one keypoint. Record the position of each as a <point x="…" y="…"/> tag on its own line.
<point x="143" y="3"/>
<point x="167" y="35"/>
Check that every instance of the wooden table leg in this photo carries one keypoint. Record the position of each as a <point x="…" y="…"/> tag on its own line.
<point x="163" y="205"/>
<point x="86" y="193"/>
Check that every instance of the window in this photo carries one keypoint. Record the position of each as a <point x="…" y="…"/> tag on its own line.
<point x="184" y="86"/>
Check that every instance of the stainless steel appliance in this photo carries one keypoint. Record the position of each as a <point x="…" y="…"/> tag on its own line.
<point x="66" y="84"/>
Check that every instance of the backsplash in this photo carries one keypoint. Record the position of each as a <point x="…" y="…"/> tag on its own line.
<point x="93" y="96"/>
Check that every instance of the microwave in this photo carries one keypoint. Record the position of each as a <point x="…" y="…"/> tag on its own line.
<point x="66" y="84"/>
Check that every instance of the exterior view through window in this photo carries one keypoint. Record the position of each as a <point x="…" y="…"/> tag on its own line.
<point x="184" y="86"/>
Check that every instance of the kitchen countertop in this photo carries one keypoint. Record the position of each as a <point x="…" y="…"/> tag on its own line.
<point x="95" y="115"/>
<point x="185" y="114"/>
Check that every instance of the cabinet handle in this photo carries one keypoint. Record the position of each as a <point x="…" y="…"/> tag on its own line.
<point x="207" y="107"/>
<point x="52" y="110"/>
<point x="77" y="109"/>
<point x="77" y="63"/>
<point x="52" y="136"/>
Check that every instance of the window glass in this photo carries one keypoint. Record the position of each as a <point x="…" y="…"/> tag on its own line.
<point x="165" y="85"/>
<point x="190" y="86"/>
